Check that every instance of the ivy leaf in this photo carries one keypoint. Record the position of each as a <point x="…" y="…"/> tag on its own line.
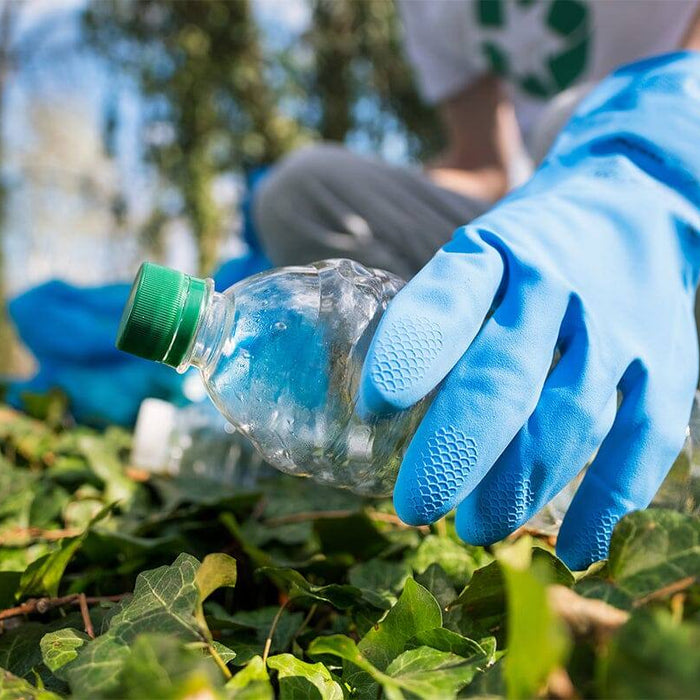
<point x="252" y="683"/>
<point x="484" y="598"/>
<point x="96" y="670"/>
<point x="19" y="649"/>
<point x="415" y="611"/>
<point x="43" y="576"/>
<point x="652" y="656"/>
<point x="163" y="667"/>
<point x="300" y="680"/>
<point x="653" y="548"/>
<point x="423" y="671"/>
<point x="445" y="640"/>
<point x="104" y="462"/>
<point x="537" y="642"/>
<point x="9" y="582"/>
<point x="339" y="596"/>
<point x="379" y="580"/>
<point x="430" y="673"/>
<point x="165" y="602"/>
<point x="216" y="571"/>
<point x="14" y="688"/>
<point x="455" y="558"/>
<point x="61" y="647"/>
<point x="346" y="649"/>
<point x="225" y="654"/>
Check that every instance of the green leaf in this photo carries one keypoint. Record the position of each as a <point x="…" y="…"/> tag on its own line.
<point x="252" y="683"/>
<point x="165" y="601"/>
<point x="216" y="571"/>
<point x="225" y="654"/>
<point x="245" y="632"/>
<point x="14" y="688"/>
<point x="61" y="647"/>
<point x="339" y="596"/>
<point x="445" y="640"/>
<point x="43" y="576"/>
<point x="455" y="558"/>
<point x="430" y="673"/>
<point x="104" y="462"/>
<point x="537" y="642"/>
<point x="415" y="611"/>
<point x="97" y="669"/>
<point x="423" y="671"/>
<point x="652" y="656"/>
<point x="379" y="580"/>
<point x="299" y="680"/>
<point x="653" y="548"/>
<point x="163" y="667"/>
<point x="9" y="583"/>
<point x="484" y="598"/>
<point x="345" y="648"/>
<point x="19" y="649"/>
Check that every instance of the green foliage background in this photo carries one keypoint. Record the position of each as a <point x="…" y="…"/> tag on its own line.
<point x="297" y="591"/>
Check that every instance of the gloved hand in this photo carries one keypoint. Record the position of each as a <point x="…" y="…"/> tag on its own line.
<point x="597" y="256"/>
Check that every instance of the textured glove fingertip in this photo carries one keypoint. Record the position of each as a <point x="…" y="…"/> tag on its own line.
<point x="372" y="401"/>
<point x="405" y="506"/>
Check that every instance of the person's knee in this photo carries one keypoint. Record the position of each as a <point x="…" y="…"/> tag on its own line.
<point x="285" y="204"/>
<point x="287" y="191"/>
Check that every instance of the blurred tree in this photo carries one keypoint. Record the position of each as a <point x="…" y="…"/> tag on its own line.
<point x="210" y="109"/>
<point x="362" y="81"/>
<point x="216" y="102"/>
<point x="9" y="13"/>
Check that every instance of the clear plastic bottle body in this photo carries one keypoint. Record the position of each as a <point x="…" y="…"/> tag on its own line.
<point x="281" y="355"/>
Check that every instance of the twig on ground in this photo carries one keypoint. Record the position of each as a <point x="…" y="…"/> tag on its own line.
<point x="670" y="589"/>
<point x="23" y="536"/>
<point x="273" y="627"/>
<point x="559" y="685"/>
<point x="585" y="616"/>
<point x="549" y="538"/>
<point x="85" y="612"/>
<point x="376" y="515"/>
<point x="43" y="605"/>
<point x="219" y="661"/>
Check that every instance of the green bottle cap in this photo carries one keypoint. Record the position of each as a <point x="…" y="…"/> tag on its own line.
<point x="161" y="316"/>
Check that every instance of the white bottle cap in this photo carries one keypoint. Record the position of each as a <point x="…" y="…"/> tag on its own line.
<point x="152" y="435"/>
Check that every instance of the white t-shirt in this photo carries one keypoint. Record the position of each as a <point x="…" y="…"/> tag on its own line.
<point x="541" y="47"/>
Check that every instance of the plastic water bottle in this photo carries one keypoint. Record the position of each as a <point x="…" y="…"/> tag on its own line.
<point x="193" y="442"/>
<point x="280" y="354"/>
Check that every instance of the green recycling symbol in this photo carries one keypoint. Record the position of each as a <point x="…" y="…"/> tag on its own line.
<point x="563" y="42"/>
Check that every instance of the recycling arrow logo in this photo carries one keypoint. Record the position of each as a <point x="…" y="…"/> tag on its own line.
<point x="550" y="38"/>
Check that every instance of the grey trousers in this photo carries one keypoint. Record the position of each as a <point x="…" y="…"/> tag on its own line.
<point x="324" y="201"/>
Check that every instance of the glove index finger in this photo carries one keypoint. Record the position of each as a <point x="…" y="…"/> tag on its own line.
<point x="430" y="324"/>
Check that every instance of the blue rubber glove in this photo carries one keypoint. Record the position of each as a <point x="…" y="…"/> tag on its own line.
<point x="598" y="257"/>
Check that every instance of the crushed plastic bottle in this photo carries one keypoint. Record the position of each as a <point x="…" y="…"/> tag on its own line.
<point x="281" y="354"/>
